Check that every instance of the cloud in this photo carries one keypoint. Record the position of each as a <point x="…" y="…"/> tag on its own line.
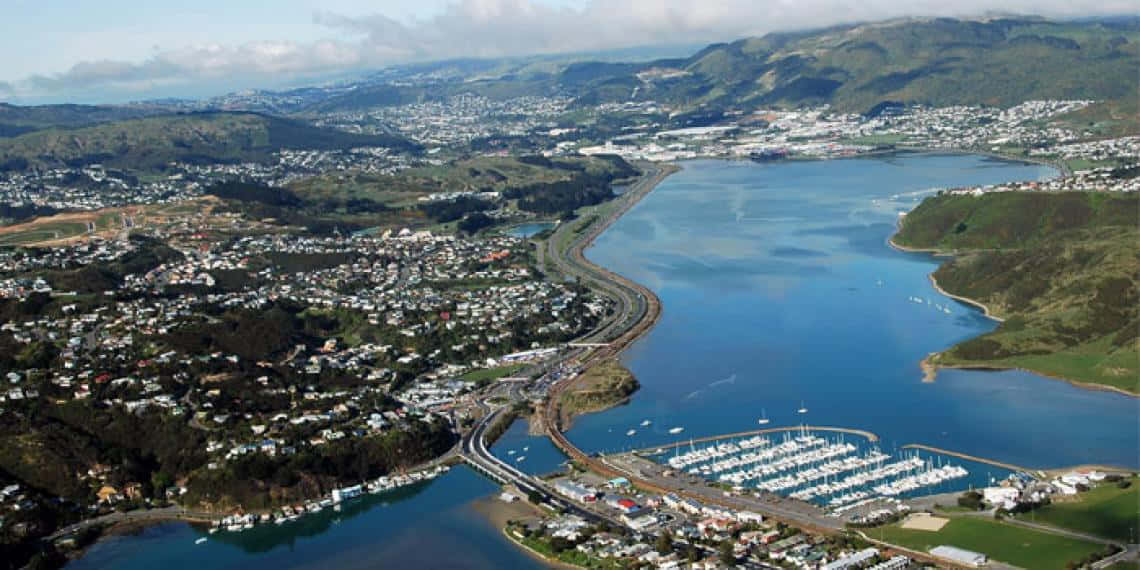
<point x="493" y="28"/>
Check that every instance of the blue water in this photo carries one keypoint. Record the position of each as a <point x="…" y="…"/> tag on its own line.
<point x="529" y="229"/>
<point x="778" y="288"/>
<point x="769" y="275"/>
<point x="978" y="474"/>
<point x="431" y="525"/>
<point x="540" y="455"/>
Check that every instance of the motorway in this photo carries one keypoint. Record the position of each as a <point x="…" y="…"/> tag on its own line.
<point x="475" y="452"/>
<point x="636" y="310"/>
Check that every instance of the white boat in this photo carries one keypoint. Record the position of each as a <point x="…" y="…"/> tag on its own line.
<point x="631" y="432"/>
<point x="763" y="417"/>
<point x="677" y="430"/>
<point x="645" y="423"/>
<point x="511" y="452"/>
<point x="200" y="540"/>
<point x="803" y="409"/>
<point x="520" y="459"/>
<point x="526" y="448"/>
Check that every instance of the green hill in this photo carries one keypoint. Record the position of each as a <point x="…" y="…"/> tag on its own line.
<point x="1062" y="269"/>
<point x="18" y="119"/>
<point x="152" y="142"/>
<point x="939" y="61"/>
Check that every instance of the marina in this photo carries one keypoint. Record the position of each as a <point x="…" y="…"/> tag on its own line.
<point x="835" y="469"/>
<point x="807" y="306"/>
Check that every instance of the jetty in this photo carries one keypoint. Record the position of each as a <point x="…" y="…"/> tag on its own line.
<point x="966" y="456"/>
<point x="871" y="437"/>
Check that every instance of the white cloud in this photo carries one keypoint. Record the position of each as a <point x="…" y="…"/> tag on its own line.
<point x="490" y="28"/>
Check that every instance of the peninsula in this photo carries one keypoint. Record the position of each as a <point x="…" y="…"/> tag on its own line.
<point x="1058" y="270"/>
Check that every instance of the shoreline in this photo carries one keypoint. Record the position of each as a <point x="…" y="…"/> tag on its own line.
<point x="1061" y="168"/>
<point x="994" y="367"/>
<point x="575" y="254"/>
<point x="986" y="312"/>
<point x="930" y="369"/>
<point x="553" y="563"/>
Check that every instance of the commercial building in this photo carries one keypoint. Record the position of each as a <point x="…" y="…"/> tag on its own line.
<point x="959" y="555"/>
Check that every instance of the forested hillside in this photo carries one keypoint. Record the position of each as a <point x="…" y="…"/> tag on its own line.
<point x="1061" y="269"/>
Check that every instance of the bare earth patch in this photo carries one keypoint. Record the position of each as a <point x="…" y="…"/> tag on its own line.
<point x="925" y="522"/>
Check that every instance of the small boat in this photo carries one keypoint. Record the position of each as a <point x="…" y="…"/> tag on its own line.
<point x="763" y="417"/>
<point x="676" y="430"/>
<point x="803" y="409"/>
<point x="631" y="432"/>
<point x="526" y="448"/>
<point x="645" y="423"/>
<point x="200" y="540"/>
<point x="520" y="459"/>
<point x="511" y="452"/>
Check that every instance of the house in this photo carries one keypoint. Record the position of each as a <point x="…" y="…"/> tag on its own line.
<point x="853" y="560"/>
<point x="1004" y="497"/>
<point x="133" y="490"/>
<point x="639" y="519"/>
<point x="575" y="491"/>
<point x="715" y="525"/>
<point x="108" y="494"/>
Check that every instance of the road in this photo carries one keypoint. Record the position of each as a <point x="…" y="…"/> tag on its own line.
<point x="140" y="515"/>
<point x="636" y="309"/>
<point x="473" y="450"/>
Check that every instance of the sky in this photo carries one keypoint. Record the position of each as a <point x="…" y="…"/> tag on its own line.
<point x="119" y="50"/>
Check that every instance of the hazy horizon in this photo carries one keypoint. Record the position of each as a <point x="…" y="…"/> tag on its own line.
<point x="124" y="50"/>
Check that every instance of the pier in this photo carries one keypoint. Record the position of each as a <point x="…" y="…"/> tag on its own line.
<point x="968" y="457"/>
<point x="741" y="434"/>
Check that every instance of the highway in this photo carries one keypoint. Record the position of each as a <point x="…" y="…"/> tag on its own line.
<point x="636" y="310"/>
<point x="475" y="452"/>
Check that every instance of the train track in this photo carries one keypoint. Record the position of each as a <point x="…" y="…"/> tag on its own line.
<point x="638" y="310"/>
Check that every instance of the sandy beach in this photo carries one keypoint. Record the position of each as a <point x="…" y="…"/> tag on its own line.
<point x="499" y="512"/>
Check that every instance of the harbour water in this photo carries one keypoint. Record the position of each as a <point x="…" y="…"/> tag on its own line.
<point x="429" y="525"/>
<point x="779" y="293"/>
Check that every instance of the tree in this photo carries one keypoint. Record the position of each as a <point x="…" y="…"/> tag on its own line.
<point x="664" y="543"/>
<point x="727" y="556"/>
<point x="559" y="544"/>
<point x="691" y="554"/>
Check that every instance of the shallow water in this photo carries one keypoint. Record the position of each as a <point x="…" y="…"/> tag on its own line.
<point x="779" y="291"/>
<point x="429" y="525"/>
<point x="778" y="288"/>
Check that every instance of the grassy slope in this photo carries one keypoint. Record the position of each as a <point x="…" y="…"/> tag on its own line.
<point x="1019" y="546"/>
<point x="1062" y="269"/>
<point x="1105" y="118"/>
<point x="600" y="387"/>
<point x="149" y="143"/>
<point x="404" y="188"/>
<point x="934" y="61"/>
<point x="939" y="62"/>
<point x="1107" y="511"/>
<point x="19" y="119"/>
